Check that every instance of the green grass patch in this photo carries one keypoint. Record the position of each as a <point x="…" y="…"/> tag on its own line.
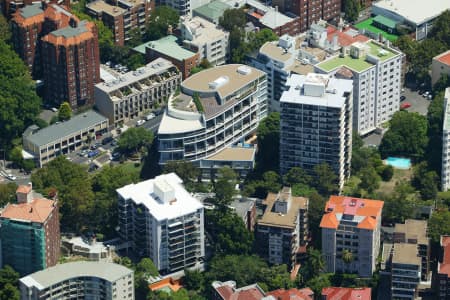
<point x="367" y="24"/>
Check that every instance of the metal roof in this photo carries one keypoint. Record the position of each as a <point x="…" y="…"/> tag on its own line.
<point x="63" y="129"/>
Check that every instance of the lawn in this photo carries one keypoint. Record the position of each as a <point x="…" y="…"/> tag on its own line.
<point x="367" y="24"/>
<point x="399" y="175"/>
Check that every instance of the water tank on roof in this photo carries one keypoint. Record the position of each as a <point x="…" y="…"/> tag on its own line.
<point x="244" y="70"/>
<point x="222" y="80"/>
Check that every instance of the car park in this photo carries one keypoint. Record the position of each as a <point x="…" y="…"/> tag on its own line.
<point x="107" y="140"/>
<point x="405" y="105"/>
<point x="93" y="153"/>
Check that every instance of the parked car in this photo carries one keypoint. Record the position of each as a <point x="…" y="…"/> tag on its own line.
<point x="425" y="95"/>
<point x="116" y="155"/>
<point x="150" y="116"/>
<point x="93" y="153"/>
<point x="430" y="97"/>
<point x="54" y="109"/>
<point x="114" y="143"/>
<point x="140" y="122"/>
<point x="107" y="140"/>
<point x="93" y="147"/>
<point x="11" y="177"/>
<point x="405" y="105"/>
<point x="402" y="98"/>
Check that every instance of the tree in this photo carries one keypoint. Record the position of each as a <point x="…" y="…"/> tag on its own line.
<point x="76" y="199"/>
<point x="185" y="170"/>
<point x="7" y="193"/>
<point x="9" y="281"/>
<point x="370" y="180"/>
<point x="15" y="155"/>
<point x="9" y="292"/>
<point x="296" y="175"/>
<point x="435" y="118"/>
<point x="407" y="136"/>
<point x="267" y="157"/>
<point x="441" y="84"/>
<point x="64" y="112"/>
<point x="439" y="224"/>
<point x="161" y="19"/>
<point x="194" y="280"/>
<point x="398" y="206"/>
<point x="5" y="32"/>
<point x="19" y="103"/>
<point x="425" y="181"/>
<point x="233" y="18"/>
<point x="132" y="140"/>
<point x="225" y="187"/>
<point x="387" y="173"/>
<point x="347" y="256"/>
<point x="228" y="232"/>
<point x="326" y="179"/>
<point x="318" y="283"/>
<point x="314" y="265"/>
<point x="351" y="9"/>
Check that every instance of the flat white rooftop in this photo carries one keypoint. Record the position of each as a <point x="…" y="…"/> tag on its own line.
<point x="171" y="125"/>
<point x="143" y="193"/>
<point x="333" y="96"/>
<point x="415" y="11"/>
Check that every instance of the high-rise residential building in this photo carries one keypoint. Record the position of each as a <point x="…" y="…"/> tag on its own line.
<point x="282" y="231"/>
<point x="281" y="58"/>
<point x="135" y="93"/>
<point x="161" y="220"/>
<point x="316" y="124"/>
<point x="342" y="293"/>
<point x="415" y="232"/>
<point x="445" y="172"/>
<point x="311" y="11"/>
<point x="351" y="230"/>
<point x="441" y="278"/>
<point x="71" y="64"/>
<point x="29" y="232"/>
<point x="215" y="113"/>
<point x="206" y="38"/>
<point x="440" y="66"/>
<point x="405" y="271"/>
<point x="122" y="16"/>
<point x="61" y="50"/>
<point x="376" y="71"/>
<point x="79" y="280"/>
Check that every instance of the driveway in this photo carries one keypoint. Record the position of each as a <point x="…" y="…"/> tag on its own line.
<point x="418" y="102"/>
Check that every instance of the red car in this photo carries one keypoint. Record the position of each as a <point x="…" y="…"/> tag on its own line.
<point x="405" y="105"/>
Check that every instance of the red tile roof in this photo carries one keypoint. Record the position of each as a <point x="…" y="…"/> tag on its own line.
<point x="292" y="294"/>
<point x="444" y="267"/>
<point x="344" y="39"/>
<point x="371" y="209"/>
<point x="24" y="189"/>
<point x="37" y="211"/>
<point x="444" y="58"/>
<point x="244" y="293"/>
<point x="338" y="293"/>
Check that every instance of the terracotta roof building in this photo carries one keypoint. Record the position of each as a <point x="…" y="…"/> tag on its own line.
<point x="292" y="294"/>
<point x="60" y="49"/>
<point x="283" y="228"/>
<point x="351" y="224"/>
<point x="440" y="66"/>
<point x="441" y="279"/>
<point x="30" y="232"/>
<point x="10" y="6"/>
<point x="340" y="293"/>
<point x="228" y="291"/>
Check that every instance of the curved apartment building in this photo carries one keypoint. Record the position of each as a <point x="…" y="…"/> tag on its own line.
<point x="79" y="280"/>
<point x="208" y="121"/>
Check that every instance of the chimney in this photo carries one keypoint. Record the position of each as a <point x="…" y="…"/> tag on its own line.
<point x="24" y="193"/>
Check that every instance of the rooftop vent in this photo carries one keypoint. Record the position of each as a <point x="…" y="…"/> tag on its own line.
<point x="244" y="70"/>
<point x="221" y="81"/>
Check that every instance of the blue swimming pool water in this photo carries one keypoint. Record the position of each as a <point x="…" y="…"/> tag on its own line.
<point x="399" y="163"/>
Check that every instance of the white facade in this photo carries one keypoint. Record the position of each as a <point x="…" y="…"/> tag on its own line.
<point x="376" y="72"/>
<point x="348" y="225"/>
<point x="316" y="124"/>
<point x="205" y="38"/>
<point x="231" y="101"/>
<point x="445" y="175"/>
<point x="161" y="220"/>
<point x="278" y="60"/>
<point x="183" y="7"/>
<point x="79" y="280"/>
<point x="133" y="94"/>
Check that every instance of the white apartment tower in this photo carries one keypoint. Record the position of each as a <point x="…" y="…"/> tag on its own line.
<point x="206" y="38"/>
<point x="162" y="221"/>
<point x="316" y="124"/>
<point x="376" y="72"/>
<point x="445" y="175"/>
<point x="351" y="225"/>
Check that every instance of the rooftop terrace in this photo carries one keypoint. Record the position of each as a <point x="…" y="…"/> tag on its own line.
<point x="358" y="64"/>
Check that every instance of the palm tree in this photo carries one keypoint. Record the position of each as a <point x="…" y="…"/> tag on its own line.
<point x="315" y="262"/>
<point x="347" y="256"/>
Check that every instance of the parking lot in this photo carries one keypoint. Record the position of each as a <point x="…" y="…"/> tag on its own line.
<point x="419" y="104"/>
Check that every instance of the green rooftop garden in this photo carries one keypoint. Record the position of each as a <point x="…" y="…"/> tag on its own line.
<point x="356" y="64"/>
<point x="367" y="24"/>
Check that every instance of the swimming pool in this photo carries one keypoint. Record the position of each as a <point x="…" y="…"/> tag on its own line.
<point x="399" y="162"/>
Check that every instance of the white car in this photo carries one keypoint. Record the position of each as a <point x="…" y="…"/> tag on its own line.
<point x="54" y="109"/>
<point x="11" y="177"/>
<point x="150" y="116"/>
<point x="140" y="122"/>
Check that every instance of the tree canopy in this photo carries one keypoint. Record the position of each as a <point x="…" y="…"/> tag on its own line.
<point x="351" y="9"/>
<point x="268" y="156"/>
<point x="224" y="187"/>
<point x="159" y="22"/>
<point x="134" y="139"/>
<point x="64" y="112"/>
<point x="407" y="136"/>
